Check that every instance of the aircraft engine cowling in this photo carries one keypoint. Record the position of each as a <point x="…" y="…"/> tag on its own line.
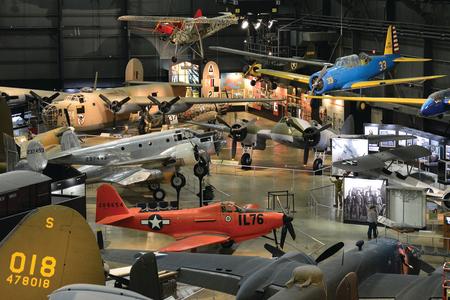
<point x="183" y="154"/>
<point x="128" y="108"/>
<point x="446" y="199"/>
<point x="324" y="142"/>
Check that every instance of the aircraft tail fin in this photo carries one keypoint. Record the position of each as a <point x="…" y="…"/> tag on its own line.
<point x="69" y="141"/>
<point x="349" y="125"/>
<point x="198" y="13"/>
<point x="144" y="277"/>
<point x="110" y="206"/>
<point x="36" y="156"/>
<point x="391" y="46"/>
<point x="51" y="247"/>
<point x="134" y="70"/>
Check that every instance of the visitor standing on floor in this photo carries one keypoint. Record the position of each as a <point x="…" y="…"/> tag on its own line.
<point x="372" y="217"/>
<point x="337" y="191"/>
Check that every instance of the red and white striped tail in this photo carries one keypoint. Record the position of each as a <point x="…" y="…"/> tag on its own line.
<point x="395" y="46"/>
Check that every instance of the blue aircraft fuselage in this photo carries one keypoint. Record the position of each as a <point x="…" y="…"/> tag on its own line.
<point x="351" y="69"/>
<point x="436" y="104"/>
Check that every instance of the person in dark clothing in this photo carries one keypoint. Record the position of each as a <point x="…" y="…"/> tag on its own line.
<point x="372" y="217"/>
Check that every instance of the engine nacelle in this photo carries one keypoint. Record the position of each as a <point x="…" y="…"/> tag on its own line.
<point x="182" y="153"/>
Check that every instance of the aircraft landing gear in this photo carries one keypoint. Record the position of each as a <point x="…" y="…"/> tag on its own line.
<point x="153" y="186"/>
<point x="246" y="158"/>
<point x="201" y="170"/>
<point x="159" y="195"/>
<point x="253" y="82"/>
<point x="174" y="59"/>
<point x="178" y="181"/>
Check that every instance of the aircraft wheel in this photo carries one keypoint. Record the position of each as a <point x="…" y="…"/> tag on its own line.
<point x="246" y="159"/>
<point x="200" y="170"/>
<point x="253" y="82"/>
<point x="227" y="244"/>
<point x="178" y="181"/>
<point x="174" y="59"/>
<point x="317" y="165"/>
<point x="159" y="195"/>
<point x="273" y="85"/>
<point x="153" y="186"/>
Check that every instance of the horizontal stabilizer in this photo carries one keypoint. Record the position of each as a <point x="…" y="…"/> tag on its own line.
<point x="411" y="59"/>
<point x="195" y="241"/>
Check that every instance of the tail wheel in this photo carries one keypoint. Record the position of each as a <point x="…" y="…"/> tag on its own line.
<point x="174" y="59"/>
<point x="273" y="85"/>
<point x="159" y="195"/>
<point x="318" y="165"/>
<point x="178" y="181"/>
<point x="253" y="82"/>
<point x="153" y="186"/>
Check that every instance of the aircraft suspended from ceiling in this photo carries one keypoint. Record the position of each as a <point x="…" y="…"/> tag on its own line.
<point x="349" y="73"/>
<point x="185" y="33"/>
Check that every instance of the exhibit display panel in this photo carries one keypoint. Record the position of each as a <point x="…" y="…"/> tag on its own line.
<point x="343" y="149"/>
<point x="406" y="206"/>
<point x="359" y="195"/>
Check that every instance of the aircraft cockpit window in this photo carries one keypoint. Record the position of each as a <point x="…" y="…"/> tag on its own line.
<point x="205" y="139"/>
<point x="76" y="97"/>
<point x="348" y="61"/>
<point x="230" y="207"/>
<point x="178" y="137"/>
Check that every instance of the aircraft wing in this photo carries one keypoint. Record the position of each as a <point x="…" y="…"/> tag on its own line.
<point x="371" y="99"/>
<point x="219" y="127"/>
<point x="206" y="100"/>
<point x="195" y="241"/>
<point x="154" y="19"/>
<point x="10" y="91"/>
<point x="212" y="271"/>
<point x="146" y="162"/>
<point x="127" y="176"/>
<point x="377" y="160"/>
<point x="376" y="83"/>
<point x="400" y="286"/>
<point x="285" y="75"/>
<point x="270" y="57"/>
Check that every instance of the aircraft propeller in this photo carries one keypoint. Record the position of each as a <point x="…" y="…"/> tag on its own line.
<point x="46" y="100"/>
<point x="114" y="106"/>
<point x="164" y="106"/>
<point x="311" y="136"/>
<point x="318" y="82"/>
<point x="287" y="227"/>
<point x="238" y="132"/>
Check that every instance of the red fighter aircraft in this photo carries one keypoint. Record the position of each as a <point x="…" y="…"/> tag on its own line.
<point x="218" y="223"/>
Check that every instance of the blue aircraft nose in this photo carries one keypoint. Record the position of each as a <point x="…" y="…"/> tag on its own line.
<point x="431" y="107"/>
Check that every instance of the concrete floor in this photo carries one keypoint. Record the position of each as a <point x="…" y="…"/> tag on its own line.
<point x="283" y="170"/>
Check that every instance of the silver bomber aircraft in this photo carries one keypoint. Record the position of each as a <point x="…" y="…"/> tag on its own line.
<point x="131" y="160"/>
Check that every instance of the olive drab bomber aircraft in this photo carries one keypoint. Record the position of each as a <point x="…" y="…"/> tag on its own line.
<point x="95" y="109"/>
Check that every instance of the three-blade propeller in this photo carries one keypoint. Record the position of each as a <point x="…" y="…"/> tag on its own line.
<point x="311" y="136"/>
<point x="238" y="132"/>
<point x="114" y="106"/>
<point x="164" y="106"/>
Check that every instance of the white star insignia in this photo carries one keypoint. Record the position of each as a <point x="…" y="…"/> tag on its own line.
<point x="155" y="222"/>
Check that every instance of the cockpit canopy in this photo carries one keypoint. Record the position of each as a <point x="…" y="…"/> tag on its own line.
<point x="353" y="60"/>
<point x="440" y="96"/>
<point x="230" y="207"/>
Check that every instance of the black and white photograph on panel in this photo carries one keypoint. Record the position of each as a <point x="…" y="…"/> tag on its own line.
<point x="347" y="149"/>
<point x="372" y="130"/>
<point x="359" y="195"/>
<point x="387" y="144"/>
